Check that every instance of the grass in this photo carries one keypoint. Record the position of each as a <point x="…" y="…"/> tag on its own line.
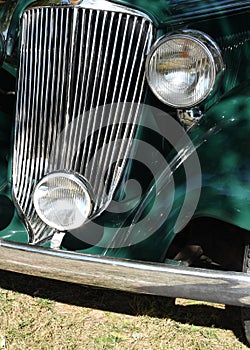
<point x="43" y="314"/>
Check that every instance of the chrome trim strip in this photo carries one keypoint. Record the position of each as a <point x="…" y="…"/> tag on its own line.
<point x="102" y="5"/>
<point x="127" y="275"/>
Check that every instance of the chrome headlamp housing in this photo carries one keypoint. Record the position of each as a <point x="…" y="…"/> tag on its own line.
<point x="182" y="68"/>
<point x="63" y="200"/>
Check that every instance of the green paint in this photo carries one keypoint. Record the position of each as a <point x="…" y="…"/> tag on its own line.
<point x="178" y="12"/>
<point x="225" y="159"/>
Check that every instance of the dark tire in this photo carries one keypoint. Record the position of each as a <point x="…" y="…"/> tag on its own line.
<point x="245" y="311"/>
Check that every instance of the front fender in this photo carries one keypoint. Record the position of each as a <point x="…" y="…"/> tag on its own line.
<point x="224" y="155"/>
<point x="221" y="143"/>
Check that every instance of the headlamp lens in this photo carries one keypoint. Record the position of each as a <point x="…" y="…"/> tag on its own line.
<point x="181" y="69"/>
<point x="62" y="201"/>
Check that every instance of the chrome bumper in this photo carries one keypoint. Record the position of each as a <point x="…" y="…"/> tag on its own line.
<point x="127" y="275"/>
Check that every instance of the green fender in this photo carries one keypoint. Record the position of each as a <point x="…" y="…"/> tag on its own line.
<point x="221" y="141"/>
<point x="225" y="159"/>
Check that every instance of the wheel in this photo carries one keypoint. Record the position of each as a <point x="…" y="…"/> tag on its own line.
<point x="245" y="311"/>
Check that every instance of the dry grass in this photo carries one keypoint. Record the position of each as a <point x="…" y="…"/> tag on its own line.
<point x="43" y="314"/>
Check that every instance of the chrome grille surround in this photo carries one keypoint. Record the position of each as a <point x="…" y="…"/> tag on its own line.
<point x="73" y="61"/>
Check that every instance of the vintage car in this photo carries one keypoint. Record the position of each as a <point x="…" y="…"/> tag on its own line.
<point x="125" y="158"/>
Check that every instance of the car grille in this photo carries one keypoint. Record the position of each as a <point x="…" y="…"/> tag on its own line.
<point x="73" y="61"/>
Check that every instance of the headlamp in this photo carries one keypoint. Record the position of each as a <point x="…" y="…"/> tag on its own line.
<point x="181" y="68"/>
<point x="62" y="200"/>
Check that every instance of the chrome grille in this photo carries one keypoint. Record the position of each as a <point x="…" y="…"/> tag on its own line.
<point x="72" y="61"/>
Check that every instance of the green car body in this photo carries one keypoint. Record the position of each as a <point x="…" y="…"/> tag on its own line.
<point x="220" y="139"/>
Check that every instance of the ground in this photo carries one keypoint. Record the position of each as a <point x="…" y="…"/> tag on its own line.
<point x="43" y="314"/>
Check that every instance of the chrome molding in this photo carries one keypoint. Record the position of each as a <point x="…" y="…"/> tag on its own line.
<point x="127" y="275"/>
<point x="74" y="59"/>
<point x="102" y="5"/>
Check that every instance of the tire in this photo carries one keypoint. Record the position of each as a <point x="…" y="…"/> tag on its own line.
<point x="245" y="311"/>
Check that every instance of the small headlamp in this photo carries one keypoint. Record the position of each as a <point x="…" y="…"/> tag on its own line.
<point x="62" y="200"/>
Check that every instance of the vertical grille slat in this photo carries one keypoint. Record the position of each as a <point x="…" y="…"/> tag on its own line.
<point x="18" y="154"/>
<point x="78" y="87"/>
<point x="39" y="120"/>
<point x="57" y="59"/>
<point x="71" y="69"/>
<point x="80" y="124"/>
<point x="53" y="68"/>
<point x="78" y="66"/>
<point x="56" y="159"/>
<point x="45" y="67"/>
<point x="42" y="125"/>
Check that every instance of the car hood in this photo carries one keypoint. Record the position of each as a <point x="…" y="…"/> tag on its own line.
<point x="166" y="12"/>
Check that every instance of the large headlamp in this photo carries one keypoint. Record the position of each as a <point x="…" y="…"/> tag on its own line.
<point x="181" y="68"/>
<point x="62" y="200"/>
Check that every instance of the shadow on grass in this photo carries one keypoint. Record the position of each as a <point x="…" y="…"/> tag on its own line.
<point x="124" y="302"/>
